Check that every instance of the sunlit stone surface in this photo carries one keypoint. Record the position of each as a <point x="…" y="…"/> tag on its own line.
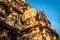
<point x="20" y="21"/>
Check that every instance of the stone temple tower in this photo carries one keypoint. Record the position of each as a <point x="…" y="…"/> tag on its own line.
<point x="20" y="21"/>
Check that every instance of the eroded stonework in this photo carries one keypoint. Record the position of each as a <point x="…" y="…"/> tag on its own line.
<point x="20" y="21"/>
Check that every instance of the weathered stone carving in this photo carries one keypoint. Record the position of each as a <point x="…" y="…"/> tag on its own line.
<point x="20" y="21"/>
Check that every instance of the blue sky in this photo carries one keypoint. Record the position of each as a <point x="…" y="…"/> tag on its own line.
<point x="51" y="10"/>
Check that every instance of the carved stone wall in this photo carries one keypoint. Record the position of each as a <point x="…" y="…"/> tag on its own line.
<point x="20" y="21"/>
